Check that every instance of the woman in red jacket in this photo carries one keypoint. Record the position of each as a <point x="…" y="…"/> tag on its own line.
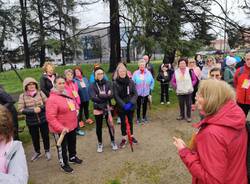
<point x="217" y="154"/>
<point x="61" y="115"/>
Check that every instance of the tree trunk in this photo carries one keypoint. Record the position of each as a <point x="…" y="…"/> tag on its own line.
<point x="61" y="31"/>
<point x="128" y="50"/>
<point x="115" y="52"/>
<point x="2" y="46"/>
<point x="42" y="33"/>
<point x="169" y="56"/>
<point x="24" y="34"/>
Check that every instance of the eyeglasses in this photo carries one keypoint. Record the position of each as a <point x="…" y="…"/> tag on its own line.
<point x="213" y="75"/>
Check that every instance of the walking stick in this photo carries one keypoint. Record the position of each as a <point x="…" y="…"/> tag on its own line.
<point x="60" y="140"/>
<point x="129" y="133"/>
<point x="13" y="68"/>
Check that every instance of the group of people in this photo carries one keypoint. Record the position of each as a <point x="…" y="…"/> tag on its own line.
<point x="219" y="149"/>
<point x="58" y="103"/>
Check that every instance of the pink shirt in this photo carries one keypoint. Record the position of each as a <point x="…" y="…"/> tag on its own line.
<point x="4" y="148"/>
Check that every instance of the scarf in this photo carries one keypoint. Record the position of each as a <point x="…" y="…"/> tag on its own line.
<point x="123" y="84"/>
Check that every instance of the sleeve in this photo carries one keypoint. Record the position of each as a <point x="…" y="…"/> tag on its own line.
<point x="17" y="171"/>
<point x="236" y="77"/>
<point x="226" y="76"/>
<point x="43" y="87"/>
<point x="134" y="94"/>
<point x="93" y="94"/>
<point x="211" y="167"/>
<point x="173" y="81"/>
<point x="117" y="97"/>
<point x="51" y="116"/>
<point x="44" y="97"/>
<point x="21" y="106"/>
<point x="158" y="78"/>
<point x="5" y="98"/>
<point x="78" y="100"/>
<point x="152" y="81"/>
<point x="194" y="78"/>
<point x="92" y="78"/>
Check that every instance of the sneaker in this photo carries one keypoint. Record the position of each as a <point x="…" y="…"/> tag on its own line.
<point x="162" y="103"/>
<point x="99" y="148"/>
<point x="67" y="169"/>
<point x="75" y="160"/>
<point x="134" y="140"/>
<point x="179" y="118"/>
<point x="123" y="143"/>
<point x="47" y="155"/>
<point x="189" y="120"/>
<point x="144" y="120"/>
<point x="114" y="146"/>
<point x="80" y="132"/>
<point x="118" y="121"/>
<point x="168" y="102"/>
<point x="138" y="121"/>
<point x="35" y="156"/>
<point x="89" y="121"/>
<point x="81" y="124"/>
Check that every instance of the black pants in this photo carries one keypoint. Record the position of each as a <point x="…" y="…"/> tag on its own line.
<point x="195" y="91"/>
<point x="164" y="92"/>
<point x="84" y="106"/>
<point x="245" y="108"/>
<point x="122" y="115"/>
<point x="99" y="120"/>
<point x="185" y="100"/>
<point x="68" y="145"/>
<point x="142" y="101"/>
<point x="35" y="136"/>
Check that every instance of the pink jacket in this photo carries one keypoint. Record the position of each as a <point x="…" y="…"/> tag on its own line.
<point x="220" y="150"/>
<point x="72" y="90"/>
<point x="58" y="113"/>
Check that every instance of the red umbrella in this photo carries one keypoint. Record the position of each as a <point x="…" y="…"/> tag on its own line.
<point x="110" y="121"/>
<point x="129" y="133"/>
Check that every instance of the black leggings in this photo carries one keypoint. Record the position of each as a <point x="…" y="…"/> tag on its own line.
<point x="84" y="106"/>
<point x="35" y="136"/>
<point x="164" y="92"/>
<point x="99" y="119"/>
<point x="68" y="144"/>
<point x="142" y="100"/>
<point x="122" y="115"/>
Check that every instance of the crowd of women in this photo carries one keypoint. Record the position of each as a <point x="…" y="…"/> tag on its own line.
<point x="58" y="104"/>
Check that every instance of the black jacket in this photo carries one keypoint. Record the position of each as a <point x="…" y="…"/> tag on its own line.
<point x="45" y="84"/>
<point x="129" y="97"/>
<point x="164" y="79"/>
<point x="101" y="100"/>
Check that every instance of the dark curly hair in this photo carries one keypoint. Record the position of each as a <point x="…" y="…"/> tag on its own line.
<point x="6" y="124"/>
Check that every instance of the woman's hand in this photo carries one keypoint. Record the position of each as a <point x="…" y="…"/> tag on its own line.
<point x="179" y="143"/>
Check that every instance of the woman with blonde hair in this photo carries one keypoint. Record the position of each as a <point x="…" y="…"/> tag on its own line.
<point x="48" y="77"/>
<point x="218" y="150"/>
<point x="208" y="66"/>
<point x="13" y="165"/>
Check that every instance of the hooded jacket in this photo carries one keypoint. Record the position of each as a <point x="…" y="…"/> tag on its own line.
<point x="71" y="87"/>
<point x="16" y="166"/>
<point x="219" y="156"/>
<point x="26" y="104"/>
<point x="83" y="91"/>
<point x="58" y="113"/>
<point x="243" y="94"/>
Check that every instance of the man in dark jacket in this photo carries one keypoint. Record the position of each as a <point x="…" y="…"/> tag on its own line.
<point x="7" y="101"/>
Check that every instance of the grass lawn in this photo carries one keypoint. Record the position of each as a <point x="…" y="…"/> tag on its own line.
<point x="12" y="85"/>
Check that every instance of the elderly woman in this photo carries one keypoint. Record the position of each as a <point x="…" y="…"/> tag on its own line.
<point x="183" y="82"/>
<point x="101" y="93"/>
<point x="144" y="83"/>
<point x="208" y="66"/>
<point x="125" y="96"/>
<point x="31" y="103"/>
<point x="61" y="113"/>
<point x="218" y="151"/>
<point x="48" y="77"/>
<point x="13" y="165"/>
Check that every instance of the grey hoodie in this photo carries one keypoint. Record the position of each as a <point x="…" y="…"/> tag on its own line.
<point x="17" y="166"/>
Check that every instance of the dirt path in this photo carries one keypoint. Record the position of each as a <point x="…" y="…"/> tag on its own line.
<point x="154" y="160"/>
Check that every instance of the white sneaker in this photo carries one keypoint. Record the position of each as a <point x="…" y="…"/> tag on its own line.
<point x="47" y="155"/>
<point x="99" y="148"/>
<point x="168" y="103"/>
<point x="114" y="146"/>
<point x="162" y="103"/>
<point x="35" y="156"/>
<point x="118" y="121"/>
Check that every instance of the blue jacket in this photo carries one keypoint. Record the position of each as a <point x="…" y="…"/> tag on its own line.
<point x="83" y="92"/>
